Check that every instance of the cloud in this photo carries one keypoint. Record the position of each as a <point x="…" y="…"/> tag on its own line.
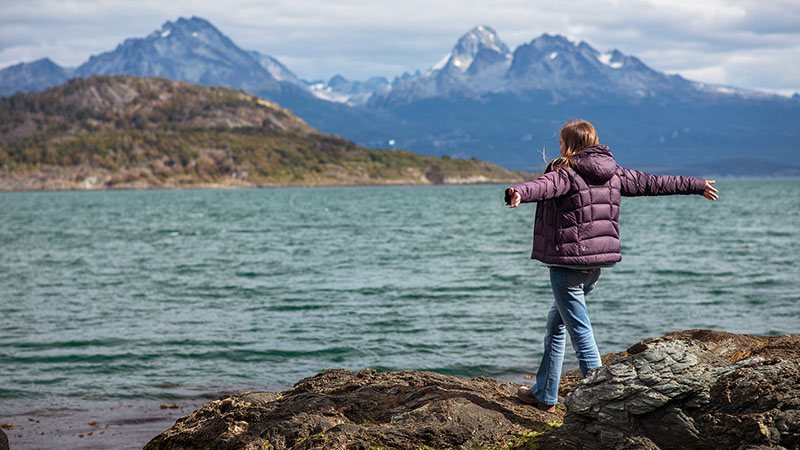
<point x="738" y="42"/>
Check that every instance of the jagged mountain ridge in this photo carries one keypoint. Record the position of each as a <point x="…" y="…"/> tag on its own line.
<point x="476" y="64"/>
<point x="189" y="50"/>
<point x="484" y="101"/>
<point x="480" y="62"/>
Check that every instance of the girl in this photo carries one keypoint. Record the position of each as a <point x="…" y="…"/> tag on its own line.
<point x="576" y="235"/>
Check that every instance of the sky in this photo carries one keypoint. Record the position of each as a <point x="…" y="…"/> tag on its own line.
<point x="753" y="44"/>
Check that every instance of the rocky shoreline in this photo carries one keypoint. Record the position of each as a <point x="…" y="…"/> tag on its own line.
<point x="693" y="389"/>
<point x="79" y="178"/>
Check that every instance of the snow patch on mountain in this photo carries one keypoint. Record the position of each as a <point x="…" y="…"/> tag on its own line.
<point x="442" y="62"/>
<point x="605" y="58"/>
<point x="354" y="93"/>
<point x="325" y="92"/>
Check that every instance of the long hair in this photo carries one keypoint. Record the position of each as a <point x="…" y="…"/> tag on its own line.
<point x="576" y="135"/>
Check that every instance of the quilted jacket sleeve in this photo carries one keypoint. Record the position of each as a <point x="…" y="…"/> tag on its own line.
<point x="550" y="185"/>
<point x="635" y="183"/>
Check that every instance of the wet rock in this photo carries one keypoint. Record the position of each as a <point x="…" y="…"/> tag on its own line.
<point x="340" y="409"/>
<point x="695" y="389"/>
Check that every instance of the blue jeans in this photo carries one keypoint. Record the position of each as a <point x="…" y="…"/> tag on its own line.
<point x="568" y="315"/>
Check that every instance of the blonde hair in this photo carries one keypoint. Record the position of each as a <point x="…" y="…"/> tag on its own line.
<point x="576" y="135"/>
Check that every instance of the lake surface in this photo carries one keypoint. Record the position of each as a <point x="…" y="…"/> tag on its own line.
<point x="108" y="297"/>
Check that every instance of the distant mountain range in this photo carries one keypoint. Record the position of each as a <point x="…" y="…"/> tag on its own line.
<point x="482" y="100"/>
<point x="480" y="63"/>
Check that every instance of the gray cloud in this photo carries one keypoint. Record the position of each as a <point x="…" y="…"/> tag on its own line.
<point x="737" y="42"/>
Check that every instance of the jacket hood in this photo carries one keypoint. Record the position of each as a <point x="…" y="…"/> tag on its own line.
<point x="595" y="163"/>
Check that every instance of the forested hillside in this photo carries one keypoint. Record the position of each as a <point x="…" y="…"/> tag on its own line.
<point x="128" y="132"/>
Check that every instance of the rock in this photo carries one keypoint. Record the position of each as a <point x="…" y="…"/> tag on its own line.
<point x="695" y="389"/>
<point x="340" y="409"/>
<point x="3" y="440"/>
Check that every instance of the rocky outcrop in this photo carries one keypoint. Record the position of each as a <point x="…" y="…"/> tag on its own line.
<point x="695" y="389"/>
<point x="340" y="409"/>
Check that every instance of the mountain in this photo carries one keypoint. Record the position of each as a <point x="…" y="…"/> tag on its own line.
<point x="189" y="50"/>
<point x="566" y="69"/>
<point x="486" y="101"/>
<point x="130" y="132"/>
<point x="480" y="63"/>
<point x="477" y="64"/>
<point x="353" y="93"/>
<point x="482" y="101"/>
<point x="34" y="76"/>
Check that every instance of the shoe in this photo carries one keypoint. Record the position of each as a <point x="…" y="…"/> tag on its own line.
<point x="525" y="395"/>
<point x="545" y="407"/>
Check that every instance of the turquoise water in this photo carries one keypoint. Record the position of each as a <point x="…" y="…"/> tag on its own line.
<point x="108" y="296"/>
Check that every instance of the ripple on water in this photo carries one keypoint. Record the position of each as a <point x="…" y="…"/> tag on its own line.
<point x="115" y="292"/>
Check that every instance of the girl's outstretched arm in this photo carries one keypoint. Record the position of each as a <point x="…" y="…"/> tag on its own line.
<point x="710" y="193"/>
<point x="550" y="185"/>
<point x="634" y="183"/>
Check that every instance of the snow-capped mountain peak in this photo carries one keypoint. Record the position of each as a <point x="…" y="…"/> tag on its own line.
<point x="191" y="50"/>
<point x="481" y="63"/>
<point x="477" y="40"/>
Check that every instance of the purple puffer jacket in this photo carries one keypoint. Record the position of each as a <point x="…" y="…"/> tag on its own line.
<point x="578" y="209"/>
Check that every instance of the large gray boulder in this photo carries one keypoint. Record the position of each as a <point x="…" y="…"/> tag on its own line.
<point x="696" y="389"/>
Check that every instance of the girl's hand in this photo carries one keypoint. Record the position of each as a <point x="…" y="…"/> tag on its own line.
<point x="710" y="193"/>
<point x="515" y="197"/>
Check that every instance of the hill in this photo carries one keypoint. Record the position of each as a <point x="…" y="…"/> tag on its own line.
<point x="129" y="132"/>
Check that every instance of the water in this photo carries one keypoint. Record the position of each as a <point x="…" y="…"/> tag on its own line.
<point x="115" y="296"/>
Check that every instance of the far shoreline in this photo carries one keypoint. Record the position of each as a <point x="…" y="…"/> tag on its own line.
<point x="235" y="187"/>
